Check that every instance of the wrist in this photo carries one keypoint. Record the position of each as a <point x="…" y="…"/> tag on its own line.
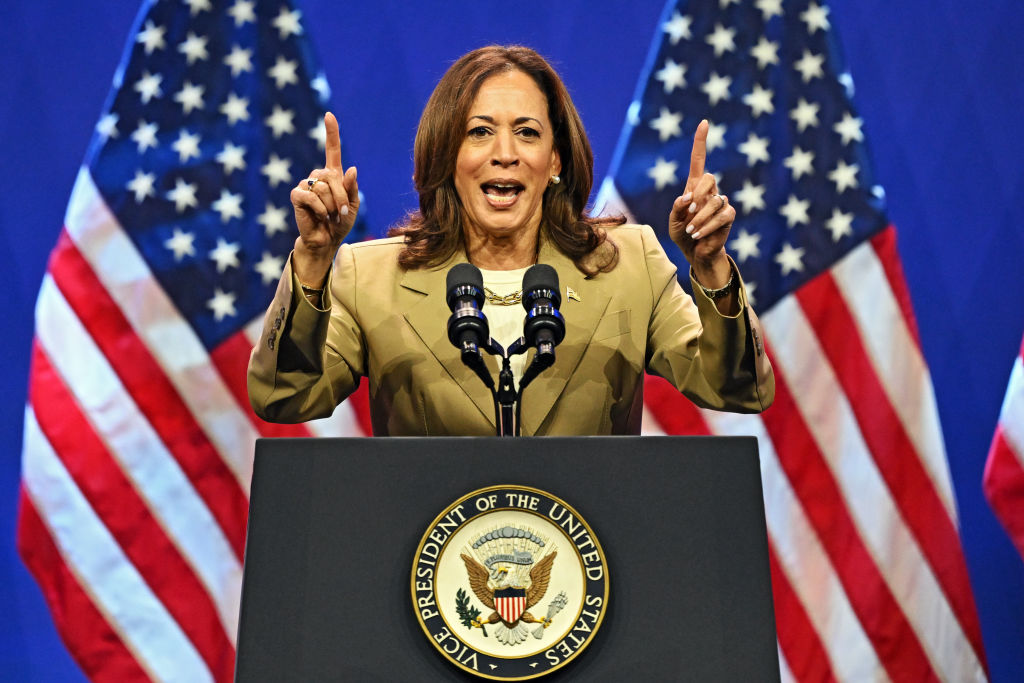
<point x="713" y="273"/>
<point x="311" y="265"/>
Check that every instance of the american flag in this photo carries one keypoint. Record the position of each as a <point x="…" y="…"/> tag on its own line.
<point x="1003" y="481"/>
<point x="138" y="434"/>
<point x="868" y="573"/>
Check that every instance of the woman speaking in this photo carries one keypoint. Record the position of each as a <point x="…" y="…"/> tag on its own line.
<point x="504" y="169"/>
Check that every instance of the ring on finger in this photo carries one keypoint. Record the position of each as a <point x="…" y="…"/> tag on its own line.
<point x="721" y="202"/>
<point x="310" y="182"/>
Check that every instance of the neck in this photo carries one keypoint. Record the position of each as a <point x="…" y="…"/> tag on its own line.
<point x="506" y="252"/>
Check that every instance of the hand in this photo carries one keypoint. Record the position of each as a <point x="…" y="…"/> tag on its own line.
<point x="701" y="218"/>
<point x="324" y="212"/>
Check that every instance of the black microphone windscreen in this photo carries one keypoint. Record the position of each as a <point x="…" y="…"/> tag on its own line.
<point x="540" y="276"/>
<point x="464" y="274"/>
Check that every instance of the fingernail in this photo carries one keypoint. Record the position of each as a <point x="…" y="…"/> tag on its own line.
<point x="689" y="228"/>
<point x="693" y="207"/>
<point x="688" y="196"/>
<point x="344" y="210"/>
<point x="696" y="235"/>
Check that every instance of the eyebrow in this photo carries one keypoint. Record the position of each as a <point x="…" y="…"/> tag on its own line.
<point x="521" y="119"/>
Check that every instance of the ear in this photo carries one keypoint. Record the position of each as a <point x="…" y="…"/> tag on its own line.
<point x="556" y="162"/>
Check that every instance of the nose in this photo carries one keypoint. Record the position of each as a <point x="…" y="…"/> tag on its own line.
<point x="504" y="152"/>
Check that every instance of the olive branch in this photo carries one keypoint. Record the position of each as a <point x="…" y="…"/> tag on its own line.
<point x="466" y="612"/>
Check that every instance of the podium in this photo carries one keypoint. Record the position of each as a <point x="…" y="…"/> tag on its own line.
<point x="334" y="525"/>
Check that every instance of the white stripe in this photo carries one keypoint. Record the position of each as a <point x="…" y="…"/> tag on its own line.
<point x="156" y="321"/>
<point x="785" y="675"/>
<point x="101" y="569"/>
<point x="130" y="438"/>
<point x="824" y="408"/>
<point x="898" y="362"/>
<point x="343" y="422"/>
<point x="650" y="425"/>
<point x="1011" y="417"/>
<point x="804" y="561"/>
<point x="609" y="201"/>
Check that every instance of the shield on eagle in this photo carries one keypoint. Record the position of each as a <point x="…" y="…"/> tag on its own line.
<point x="510" y="603"/>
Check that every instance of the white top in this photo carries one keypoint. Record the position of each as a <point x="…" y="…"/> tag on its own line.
<point x="506" y="322"/>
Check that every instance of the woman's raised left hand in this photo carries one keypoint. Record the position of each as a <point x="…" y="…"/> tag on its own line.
<point x="701" y="217"/>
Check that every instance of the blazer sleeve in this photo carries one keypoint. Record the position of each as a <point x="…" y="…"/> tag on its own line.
<point x="308" y="360"/>
<point x="717" y="361"/>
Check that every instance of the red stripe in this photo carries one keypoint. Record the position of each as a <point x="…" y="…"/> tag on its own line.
<point x="800" y="644"/>
<point x="1003" y="483"/>
<point x="152" y="392"/>
<point x="673" y="411"/>
<point x="884" y="244"/>
<point x="884" y="623"/>
<point x="891" y="448"/>
<point x="360" y="402"/>
<point x="231" y="358"/>
<point x="124" y="513"/>
<point x="85" y="632"/>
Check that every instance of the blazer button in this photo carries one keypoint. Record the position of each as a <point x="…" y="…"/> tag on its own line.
<point x="758" y="346"/>
<point x="277" y="324"/>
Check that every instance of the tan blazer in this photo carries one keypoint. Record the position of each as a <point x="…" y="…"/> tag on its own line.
<point x="389" y="326"/>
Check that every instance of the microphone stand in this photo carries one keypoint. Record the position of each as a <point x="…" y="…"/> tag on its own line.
<point x="508" y="402"/>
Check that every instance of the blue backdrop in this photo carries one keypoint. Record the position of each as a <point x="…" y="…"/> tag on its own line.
<point x="938" y="84"/>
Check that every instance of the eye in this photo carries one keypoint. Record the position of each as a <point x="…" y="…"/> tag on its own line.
<point x="528" y="132"/>
<point x="478" y="132"/>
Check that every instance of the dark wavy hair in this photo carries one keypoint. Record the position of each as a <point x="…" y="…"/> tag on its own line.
<point x="435" y="232"/>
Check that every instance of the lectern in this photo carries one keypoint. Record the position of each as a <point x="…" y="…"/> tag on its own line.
<point x="334" y="525"/>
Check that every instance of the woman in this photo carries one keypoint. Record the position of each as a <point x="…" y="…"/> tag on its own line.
<point x="503" y="170"/>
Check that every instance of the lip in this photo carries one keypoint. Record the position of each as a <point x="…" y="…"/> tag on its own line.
<point x="499" y="201"/>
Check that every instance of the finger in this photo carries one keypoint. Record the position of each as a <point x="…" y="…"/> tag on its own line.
<point x="699" y="153"/>
<point x="721" y="220"/>
<point x="332" y="145"/>
<point x="714" y="206"/>
<point x="309" y="201"/>
<point x="680" y="207"/>
<point x="351" y="181"/>
<point x="701" y="192"/>
<point x="331" y="191"/>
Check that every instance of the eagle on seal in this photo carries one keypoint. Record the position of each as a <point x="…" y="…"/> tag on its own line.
<point x="514" y="632"/>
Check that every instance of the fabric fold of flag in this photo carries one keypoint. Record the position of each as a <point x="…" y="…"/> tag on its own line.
<point x="138" y="435"/>
<point x="868" y="571"/>
<point x="1003" y="481"/>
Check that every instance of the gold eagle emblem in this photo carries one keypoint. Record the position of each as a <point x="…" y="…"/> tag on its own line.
<point x="485" y="584"/>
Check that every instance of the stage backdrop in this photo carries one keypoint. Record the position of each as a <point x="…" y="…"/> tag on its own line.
<point x="937" y="85"/>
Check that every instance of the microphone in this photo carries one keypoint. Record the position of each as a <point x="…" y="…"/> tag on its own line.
<point x="467" y="326"/>
<point x="544" y="327"/>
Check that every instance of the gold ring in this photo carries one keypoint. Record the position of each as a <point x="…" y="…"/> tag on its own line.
<point x="311" y="182"/>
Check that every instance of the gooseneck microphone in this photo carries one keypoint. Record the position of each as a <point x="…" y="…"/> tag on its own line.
<point x="467" y="325"/>
<point x="544" y="327"/>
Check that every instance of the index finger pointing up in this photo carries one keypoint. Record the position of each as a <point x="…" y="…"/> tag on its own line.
<point x="700" y="152"/>
<point x="332" y="144"/>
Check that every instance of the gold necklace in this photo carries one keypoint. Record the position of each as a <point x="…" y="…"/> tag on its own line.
<point x="512" y="299"/>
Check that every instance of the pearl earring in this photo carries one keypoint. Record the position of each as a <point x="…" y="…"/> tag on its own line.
<point x="555" y="180"/>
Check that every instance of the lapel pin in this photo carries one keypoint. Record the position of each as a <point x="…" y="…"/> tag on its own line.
<point x="570" y="293"/>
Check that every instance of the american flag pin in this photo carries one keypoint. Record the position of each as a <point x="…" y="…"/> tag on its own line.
<point x="570" y="293"/>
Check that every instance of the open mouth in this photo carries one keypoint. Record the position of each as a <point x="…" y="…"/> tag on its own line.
<point x="502" y="193"/>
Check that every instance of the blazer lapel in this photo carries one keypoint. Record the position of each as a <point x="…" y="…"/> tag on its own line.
<point x="428" y="316"/>
<point x="581" y="319"/>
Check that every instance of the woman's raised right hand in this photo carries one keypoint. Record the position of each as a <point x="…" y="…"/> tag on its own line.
<point x="326" y="203"/>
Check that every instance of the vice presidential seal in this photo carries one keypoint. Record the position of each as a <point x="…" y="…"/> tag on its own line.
<point x="509" y="583"/>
